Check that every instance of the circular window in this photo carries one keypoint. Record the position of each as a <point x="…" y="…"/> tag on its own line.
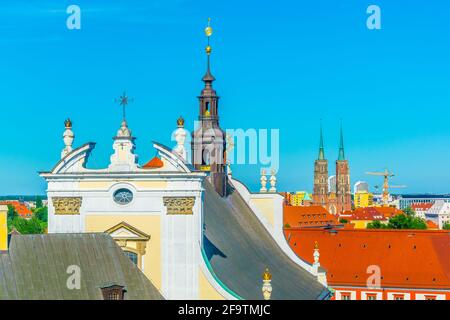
<point x="123" y="196"/>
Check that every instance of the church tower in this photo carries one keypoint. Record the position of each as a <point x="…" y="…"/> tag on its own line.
<point x="343" y="191"/>
<point x="208" y="140"/>
<point x="320" y="194"/>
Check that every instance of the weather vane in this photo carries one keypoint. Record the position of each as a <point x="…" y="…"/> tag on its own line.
<point x="123" y="102"/>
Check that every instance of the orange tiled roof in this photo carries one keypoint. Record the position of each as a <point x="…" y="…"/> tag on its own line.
<point x="307" y="216"/>
<point x="431" y="225"/>
<point x="369" y="213"/>
<point x="407" y="258"/>
<point x="372" y="213"/>
<point x="20" y="208"/>
<point x="389" y="212"/>
<point x="421" y="206"/>
<point x="154" y="164"/>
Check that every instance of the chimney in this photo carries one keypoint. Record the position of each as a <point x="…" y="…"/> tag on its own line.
<point x="3" y="228"/>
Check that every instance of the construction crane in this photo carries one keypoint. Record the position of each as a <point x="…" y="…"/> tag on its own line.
<point x="387" y="175"/>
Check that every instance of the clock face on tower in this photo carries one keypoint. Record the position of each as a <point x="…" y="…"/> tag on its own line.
<point x="123" y="196"/>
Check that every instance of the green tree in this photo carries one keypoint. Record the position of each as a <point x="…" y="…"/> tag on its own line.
<point x="446" y="226"/>
<point x="376" y="225"/>
<point x="400" y="221"/>
<point x="409" y="211"/>
<point x="41" y="214"/>
<point x="406" y="222"/>
<point x="12" y="213"/>
<point x="38" y="202"/>
<point x="31" y="226"/>
<point x="342" y="220"/>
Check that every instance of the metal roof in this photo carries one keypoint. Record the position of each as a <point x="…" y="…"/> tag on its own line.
<point x="35" y="268"/>
<point x="239" y="248"/>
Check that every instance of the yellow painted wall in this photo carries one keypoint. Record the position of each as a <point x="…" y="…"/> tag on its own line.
<point x="206" y="290"/>
<point x="3" y="228"/>
<point x="360" y="224"/>
<point x="105" y="185"/>
<point x="363" y="199"/>
<point x="267" y="208"/>
<point x="150" y="225"/>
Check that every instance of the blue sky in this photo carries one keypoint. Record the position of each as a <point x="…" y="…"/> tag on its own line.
<point x="282" y="65"/>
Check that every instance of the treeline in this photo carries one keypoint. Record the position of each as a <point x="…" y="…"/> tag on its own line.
<point x="36" y="225"/>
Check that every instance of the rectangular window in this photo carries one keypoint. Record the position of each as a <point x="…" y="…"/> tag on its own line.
<point x="346" y="296"/>
<point x="371" y="296"/>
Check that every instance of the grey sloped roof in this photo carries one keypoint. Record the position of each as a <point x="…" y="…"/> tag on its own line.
<point x="35" y="268"/>
<point x="239" y="249"/>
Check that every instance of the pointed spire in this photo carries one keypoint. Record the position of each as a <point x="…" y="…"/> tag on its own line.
<point x="341" y="146"/>
<point x="208" y="78"/>
<point x="321" y="148"/>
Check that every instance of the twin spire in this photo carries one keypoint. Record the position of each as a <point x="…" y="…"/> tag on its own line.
<point x="341" y="156"/>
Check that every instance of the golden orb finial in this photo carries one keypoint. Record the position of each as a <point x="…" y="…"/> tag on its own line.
<point x="316" y="245"/>
<point x="267" y="276"/>
<point x="68" y="123"/>
<point x="208" y="29"/>
<point x="180" y="122"/>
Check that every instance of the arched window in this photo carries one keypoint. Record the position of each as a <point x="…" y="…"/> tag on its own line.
<point x="133" y="256"/>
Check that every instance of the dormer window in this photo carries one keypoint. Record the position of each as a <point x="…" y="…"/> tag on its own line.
<point x="114" y="292"/>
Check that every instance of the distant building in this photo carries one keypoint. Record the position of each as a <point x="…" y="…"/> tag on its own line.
<point x="361" y="186"/>
<point x="363" y="199"/>
<point x="299" y="198"/>
<point x="378" y="264"/>
<point x="407" y="200"/>
<point x="22" y="210"/>
<point x="421" y="209"/>
<point x="361" y="217"/>
<point x="439" y="213"/>
<point x="332" y="194"/>
<point x="307" y="217"/>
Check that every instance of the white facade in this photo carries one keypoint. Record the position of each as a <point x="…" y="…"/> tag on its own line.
<point x="439" y="213"/>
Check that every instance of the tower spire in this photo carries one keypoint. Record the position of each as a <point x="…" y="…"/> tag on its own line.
<point x="341" y="146"/>
<point x="208" y="78"/>
<point x="321" y="148"/>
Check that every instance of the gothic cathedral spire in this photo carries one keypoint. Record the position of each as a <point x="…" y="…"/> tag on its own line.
<point x="321" y="148"/>
<point x="343" y="191"/>
<point x="320" y="193"/>
<point x="341" y="146"/>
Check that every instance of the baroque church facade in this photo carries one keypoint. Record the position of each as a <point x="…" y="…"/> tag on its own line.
<point x="174" y="219"/>
<point x="333" y="193"/>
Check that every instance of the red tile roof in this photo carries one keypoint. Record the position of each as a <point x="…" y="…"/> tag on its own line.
<point x="431" y="225"/>
<point x="20" y="208"/>
<point x="407" y="258"/>
<point x="154" y="164"/>
<point x="421" y="206"/>
<point x="308" y="216"/>
<point x="372" y="213"/>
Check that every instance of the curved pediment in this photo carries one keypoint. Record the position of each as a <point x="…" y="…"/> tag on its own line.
<point x="172" y="161"/>
<point x="75" y="161"/>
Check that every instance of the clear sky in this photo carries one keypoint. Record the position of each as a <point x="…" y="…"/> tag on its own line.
<point x="279" y="64"/>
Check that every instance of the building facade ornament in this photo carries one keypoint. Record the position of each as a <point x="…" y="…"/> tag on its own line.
<point x="68" y="138"/>
<point x="263" y="181"/>
<point x="267" y="285"/>
<point x="179" y="205"/>
<point x="180" y="137"/>
<point x="67" y="205"/>
<point x="273" y="181"/>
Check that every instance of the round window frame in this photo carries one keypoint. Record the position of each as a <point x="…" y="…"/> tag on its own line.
<point x="122" y="190"/>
